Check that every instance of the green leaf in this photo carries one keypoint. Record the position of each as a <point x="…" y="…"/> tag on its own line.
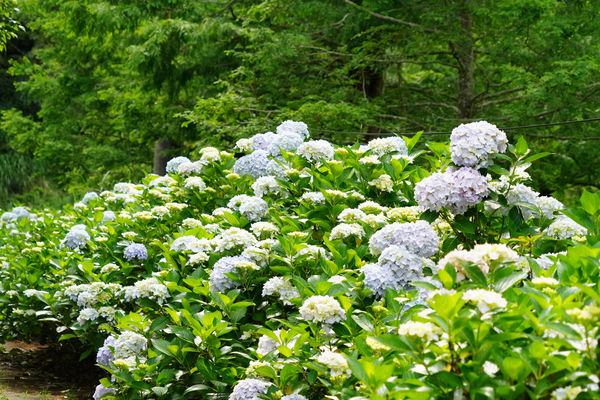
<point x="536" y="157"/>
<point x="521" y="147"/>
<point x="475" y="274"/>
<point x="590" y="202"/>
<point x="512" y="366"/>
<point x="505" y="278"/>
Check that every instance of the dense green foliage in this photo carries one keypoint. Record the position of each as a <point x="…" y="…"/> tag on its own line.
<point x="108" y="79"/>
<point x="506" y="306"/>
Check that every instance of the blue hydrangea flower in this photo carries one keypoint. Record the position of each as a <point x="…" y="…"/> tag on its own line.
<point x="76" y="238"/>
<point x="102" y="391"/>
<point x="135" y="251"/>
<point x="105" y="354"/>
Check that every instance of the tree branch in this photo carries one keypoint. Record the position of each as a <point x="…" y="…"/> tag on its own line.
<point x="412" y="121"/>
<point x="388" y="18"/>
<point x="501" y="101"/>
<point x="502" y="93"/>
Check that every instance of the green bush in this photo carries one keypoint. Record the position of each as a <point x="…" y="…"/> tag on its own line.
<point x="381" y="271"/>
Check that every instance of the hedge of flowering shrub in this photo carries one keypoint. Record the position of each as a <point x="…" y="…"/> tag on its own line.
<point x="297" y="269"/>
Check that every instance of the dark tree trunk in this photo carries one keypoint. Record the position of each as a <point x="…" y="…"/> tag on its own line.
<point x="161" y="148"/>
<point x="373" y="84"/>
<point x="464" y="52"/>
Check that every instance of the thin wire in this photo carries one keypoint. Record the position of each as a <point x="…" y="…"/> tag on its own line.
<point x="509" y="128"/>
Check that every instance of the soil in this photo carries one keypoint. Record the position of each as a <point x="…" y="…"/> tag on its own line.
<point x="30" y="371"/>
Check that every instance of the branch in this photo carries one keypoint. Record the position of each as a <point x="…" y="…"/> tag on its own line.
<point x="501" y="101"/>
<point x="445" y="105"/>
<point x="388" y="18"/>
<point x="256" y="110"/>
<point x="412" y="121"/>
<point x="501" y="93"/>
<point x="325" y="51"/>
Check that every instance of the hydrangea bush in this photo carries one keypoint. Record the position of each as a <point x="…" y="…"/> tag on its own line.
<point x="290" y="268"/>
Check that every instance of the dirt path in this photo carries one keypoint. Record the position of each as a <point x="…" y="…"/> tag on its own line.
<point x="28" y="372"/>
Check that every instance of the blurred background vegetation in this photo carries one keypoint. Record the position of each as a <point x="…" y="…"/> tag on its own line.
<point x="93" y="92"/>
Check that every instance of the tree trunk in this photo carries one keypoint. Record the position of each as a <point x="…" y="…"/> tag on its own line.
<point x="161" y="147"/>
<point x="464" y="52"/>
<point x="373" y="84"/>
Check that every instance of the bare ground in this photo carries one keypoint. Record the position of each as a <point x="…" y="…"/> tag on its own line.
<point x="41" y="372"/>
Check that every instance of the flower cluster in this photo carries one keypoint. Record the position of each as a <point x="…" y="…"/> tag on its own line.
<point x="487" y="257"/>
<point x="455" y="190"/>
<point x="472" y="144"/>
<point x="323" y="309"/>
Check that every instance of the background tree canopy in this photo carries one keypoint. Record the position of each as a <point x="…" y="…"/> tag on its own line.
<point x="94" y="88"/>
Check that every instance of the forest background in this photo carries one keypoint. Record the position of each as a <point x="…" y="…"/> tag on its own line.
<point x="96" y="92"/>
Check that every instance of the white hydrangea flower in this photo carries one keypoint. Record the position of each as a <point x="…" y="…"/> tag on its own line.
<point x="369" y="160"/>
<point x="173" y="164"/>
<point x="336" y="194"/>
<point x="548" y="205"/>
<point x="565" y="228"/>
<point x="282" y="288"/>
<point x="487" y="257"/>
<point x="336" y="362"/>
<point x="160" y="211"/>
<point x="296" y="127"/>
<point x="423" y="330"/>
<point x="244" y="145"/>
<point x="371" y="207"/>
<point x="219" y="281"/>
<point x="232" y="238"/>
<point x="312" y="252"/>
<point x="323" y="309"/>
<point x="88" y="295"/>
<point x="87" y="314"/>
<point x="191" y="223"/>
<point x="252" y="208"/>
<point x="266" y="345"/>
<point x="129" y="344"/>
<point x="375" y="220"/>
<point x="384" y="183"/>
<point x="405" y="214"/>
<point x="472" y="144"/>
<point x="485" y="300"/>
<point x="195" y="182"/>
<point x="190" y="168"/>
<point x="294" y="396"/>
<point x="351" y="215"/>
<point x="264" y="228"/>
<point x="198" y="258"/>
<point x="490" y="368"/>
<point x="544" y="281"/>
<point x="210" y="154"/>
<point x="147" y="288"/>
<point x="190" y="243"/>
<point x="316" y="151"/>
<point x="343" y="231"/>
<point x="387" y="145"/>
<point x="265" y="185"/>
<point x="313" y="198"/>
<point x="108" y="268"/>
<point x="567" y="393"/>
<point x="523" y="194"/>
